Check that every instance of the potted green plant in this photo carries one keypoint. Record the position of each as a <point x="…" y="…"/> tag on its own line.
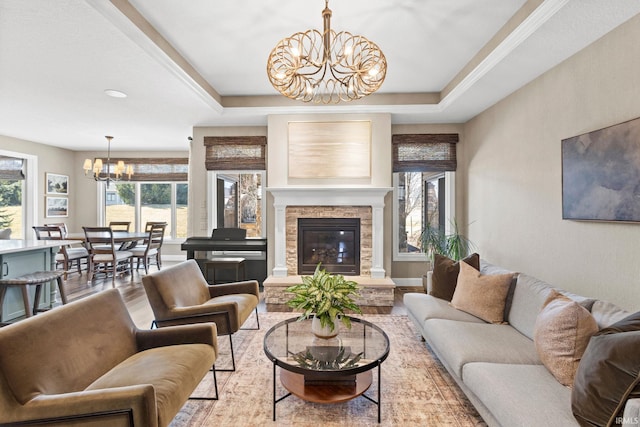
<point x="327" y="297"/>
<point x="454" y="245"/>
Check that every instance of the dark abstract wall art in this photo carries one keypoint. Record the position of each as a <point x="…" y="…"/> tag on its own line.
<point x="601" y="174"/>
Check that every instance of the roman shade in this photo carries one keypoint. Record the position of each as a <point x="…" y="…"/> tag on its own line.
<point x="235" y="152"/>
<point x="159" y="168"/>
<point x="424" y="152"/>
<point x="11" y="168"/>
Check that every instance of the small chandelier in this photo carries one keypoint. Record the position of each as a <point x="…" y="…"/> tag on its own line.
<point x="119" y="168"/>
<point x="326" y="67"/>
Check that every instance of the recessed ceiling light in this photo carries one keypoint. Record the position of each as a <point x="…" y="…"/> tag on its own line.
<point x="115" y="93"/>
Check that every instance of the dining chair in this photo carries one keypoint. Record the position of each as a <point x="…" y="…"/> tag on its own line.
<point x="67" y="254"/>
<point x="149" y="224"/>
<point x="150" y="247"/>
<point x="62" y="226"/>
<point x="103" y="256"/>
<point x="120" y="225"/>
<point x="147" y="227"/>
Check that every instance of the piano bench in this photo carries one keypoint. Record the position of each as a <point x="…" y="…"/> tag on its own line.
<point x="220" y="263"/>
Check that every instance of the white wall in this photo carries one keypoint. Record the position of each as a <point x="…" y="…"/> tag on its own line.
<point x="278" y="154"/>
<point x="513" y="161"/>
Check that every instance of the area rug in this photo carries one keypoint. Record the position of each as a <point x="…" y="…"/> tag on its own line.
<point x="416" y="388"/>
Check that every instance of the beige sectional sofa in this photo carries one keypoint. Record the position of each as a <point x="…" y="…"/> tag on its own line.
<point x="86" y="363"/>
<point x="497" y="365"/>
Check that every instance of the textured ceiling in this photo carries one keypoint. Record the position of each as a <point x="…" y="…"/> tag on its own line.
<point x="203" y="62"/>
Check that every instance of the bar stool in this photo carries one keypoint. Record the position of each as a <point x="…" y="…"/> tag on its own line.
<point x="221" y="263"/>
<point x="38" y="279"/>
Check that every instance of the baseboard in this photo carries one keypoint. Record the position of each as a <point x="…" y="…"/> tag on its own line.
<point x="411" y="282"/>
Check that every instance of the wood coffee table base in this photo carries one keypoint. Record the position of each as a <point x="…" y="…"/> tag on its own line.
<point x="330" y="393"/>
<point x="325" y="393"/>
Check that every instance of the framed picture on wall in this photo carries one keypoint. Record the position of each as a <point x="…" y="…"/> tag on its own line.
<point x="57" y="207"/>
<point x="57" y="184"/>
<point x="600" y="174"/>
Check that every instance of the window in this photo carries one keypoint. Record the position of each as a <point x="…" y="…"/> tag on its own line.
<point x="236" y="173"/>
<point x="237" y="201"/>
<point x="11" y="209"/>
<point x="141" y="202"/>
<point x="421" y="198"/>
<point x="424" y="190"/>
<point x="16" y="182"/>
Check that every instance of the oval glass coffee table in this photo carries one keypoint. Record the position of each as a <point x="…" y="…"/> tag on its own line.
<point x="326" y="370"/>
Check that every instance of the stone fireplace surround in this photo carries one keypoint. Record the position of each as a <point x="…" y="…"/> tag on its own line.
<point x="330" y="197"/>
<point x="294" y="212"/>
<point x="367" y="203"/>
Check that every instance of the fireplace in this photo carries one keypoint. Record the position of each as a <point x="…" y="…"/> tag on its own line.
<point x="293" y="203"/>
<point x="334" y="242"/>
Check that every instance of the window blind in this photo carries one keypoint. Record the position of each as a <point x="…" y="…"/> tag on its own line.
<point x="11" y="168"/>
<point x="235" y="152"/>
<point x="424" y="152"/>
<point x="158" y="169"/>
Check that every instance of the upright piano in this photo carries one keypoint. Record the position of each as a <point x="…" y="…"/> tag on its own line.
<point x="231" y="244"/>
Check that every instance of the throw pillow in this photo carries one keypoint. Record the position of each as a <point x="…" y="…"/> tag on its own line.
<point x="445" y="274"/>
<point x="608" y="374"/>
<point x="483" y="296"/>
<point x="561" y="334"/>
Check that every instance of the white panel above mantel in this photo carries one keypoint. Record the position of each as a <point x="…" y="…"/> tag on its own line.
<point x="329" y="196"/>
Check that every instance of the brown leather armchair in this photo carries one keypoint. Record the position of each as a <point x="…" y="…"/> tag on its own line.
<point x="180" y="295"/>
<point x="86" y="363"/>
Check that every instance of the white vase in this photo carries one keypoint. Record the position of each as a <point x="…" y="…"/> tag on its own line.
<point x="323" y="332"/>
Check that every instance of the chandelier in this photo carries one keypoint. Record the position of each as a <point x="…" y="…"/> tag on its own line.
<point x="326" y="67"/>
<point x="119" y="168"/>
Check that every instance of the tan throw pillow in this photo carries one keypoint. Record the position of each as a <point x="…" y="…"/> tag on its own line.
<point x="445" y="274"/>
<point x="484" y="296"/>
<point x="561" y="334"/>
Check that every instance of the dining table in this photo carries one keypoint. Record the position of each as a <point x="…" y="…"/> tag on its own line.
<point x="118" y="236"/>
<point x="123" y="237"/>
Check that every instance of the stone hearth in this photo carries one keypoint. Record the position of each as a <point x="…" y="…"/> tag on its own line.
<point x="373" y="292"/>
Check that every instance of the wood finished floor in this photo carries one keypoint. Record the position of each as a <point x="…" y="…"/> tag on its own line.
<point x="132" y="291"/>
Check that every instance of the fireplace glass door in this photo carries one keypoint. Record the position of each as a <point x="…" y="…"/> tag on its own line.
<point x="333" y="242"/>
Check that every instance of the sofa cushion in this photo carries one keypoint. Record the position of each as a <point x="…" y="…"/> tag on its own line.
<point x="561" y="334"/>
<point x="483" y="296"/>
<point x="459" y="343"/>
<point x="245" y="303"/>
<point x="520" y="395"/>
<point x="529" y="296"/>
<point x="607" y="313"/>
<point x="424" y="307"/>
<point x="445" y="274"/>
<point x="174" y="372"/>
<point x="609" y="373"/>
